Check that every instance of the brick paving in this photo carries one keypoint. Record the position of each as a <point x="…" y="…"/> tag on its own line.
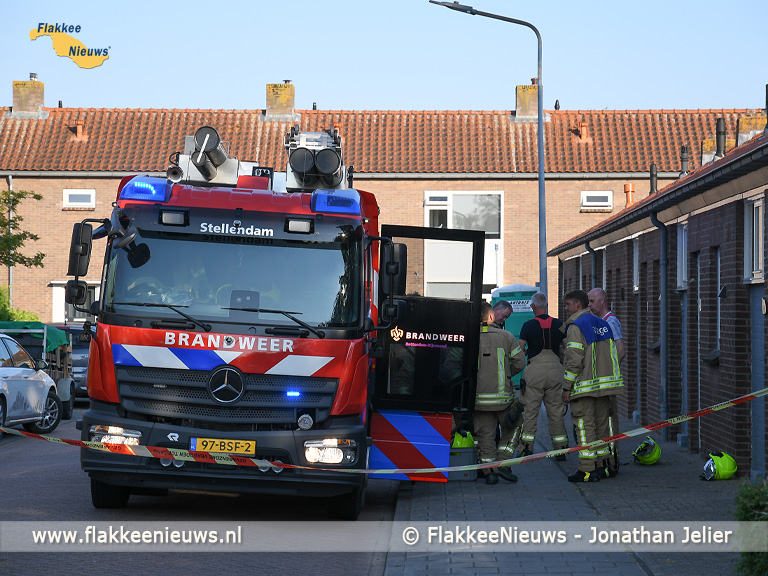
<point x="667" y="491"/>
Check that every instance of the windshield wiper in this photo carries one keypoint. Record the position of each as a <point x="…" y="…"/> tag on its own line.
<point x="315" y="331"/>
<point x="203" y="325"/>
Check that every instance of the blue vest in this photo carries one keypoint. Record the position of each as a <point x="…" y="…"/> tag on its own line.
<point x="593" y="328"/>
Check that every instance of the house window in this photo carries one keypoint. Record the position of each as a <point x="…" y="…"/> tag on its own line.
<point x="753" y="240"/>
<point x="466" y="211"/>
<point x="79" y="198"/>
<point x="73" y="315"/>
<point x="682" y="256"/>
<point x="597" y="199"/>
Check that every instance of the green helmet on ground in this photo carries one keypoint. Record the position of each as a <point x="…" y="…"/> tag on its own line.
<point x="720" y="466"/>
<point x="648" y="452"/>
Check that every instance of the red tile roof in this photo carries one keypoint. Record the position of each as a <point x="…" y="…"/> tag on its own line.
<point x="381" y="141"/>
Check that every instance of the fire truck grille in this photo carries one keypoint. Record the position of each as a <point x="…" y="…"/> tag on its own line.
<point x="182" y="394"/>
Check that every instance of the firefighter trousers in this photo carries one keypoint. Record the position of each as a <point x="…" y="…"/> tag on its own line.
<point x="486" y="423"/>
<point x="544" y="383"/>
<point x="590" y="418"/>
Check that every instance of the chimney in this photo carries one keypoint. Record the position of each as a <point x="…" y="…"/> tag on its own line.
<point x="583" y="131"/>
<point x="79" y="129"/>
<point x="629" y="192"/>
<point x="683" y="161"/>
<point x="280" y="101"/>
<point x="720" y="138"/>
<point x="28" y="98"/>
<point x="654" y="178"/>
<point x="527" y="102"/>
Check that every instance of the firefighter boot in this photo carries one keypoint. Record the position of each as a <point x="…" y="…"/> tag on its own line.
<point x="506" y="473"/>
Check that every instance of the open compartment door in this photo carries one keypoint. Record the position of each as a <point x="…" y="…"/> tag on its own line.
<point x="428" y="370"/>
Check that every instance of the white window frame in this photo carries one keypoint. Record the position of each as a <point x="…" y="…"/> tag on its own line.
<point x="682" y="256"/>
<point x="443" y="199"/>
<point x="59" y="305"/>
<point x="754" y="236"/>
<point x="69" y="192"/>
<point x="587" y="204"/>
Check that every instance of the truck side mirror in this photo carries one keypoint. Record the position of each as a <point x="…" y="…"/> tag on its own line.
<point x="80" y="249"/>
<point x="393" y="312"/>
<point x="76" y="292"/>
<point x="394" y="259"/>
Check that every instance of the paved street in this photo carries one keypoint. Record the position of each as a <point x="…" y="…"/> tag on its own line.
<point x="667" y="491"/>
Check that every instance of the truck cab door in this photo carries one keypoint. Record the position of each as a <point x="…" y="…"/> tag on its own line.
<point x="428" y="369"/>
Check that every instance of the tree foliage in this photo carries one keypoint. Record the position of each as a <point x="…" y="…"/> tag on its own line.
<point x="12" y="237"/>
<point x="7" y="313"/>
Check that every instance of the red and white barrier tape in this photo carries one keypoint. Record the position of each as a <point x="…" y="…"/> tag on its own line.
<point x="233" y="460"/>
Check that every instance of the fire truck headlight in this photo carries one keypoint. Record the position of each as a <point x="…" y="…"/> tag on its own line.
<point x="330" y="451"/>
<point x="114" y="435"/>
<point x="302" y="160"/>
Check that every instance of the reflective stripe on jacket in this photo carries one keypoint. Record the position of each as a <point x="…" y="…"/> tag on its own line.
<point x="591" y="363"/>
<point x="500" y="358"/>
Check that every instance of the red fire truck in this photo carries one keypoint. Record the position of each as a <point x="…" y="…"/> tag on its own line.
<point x="237" y="319"/>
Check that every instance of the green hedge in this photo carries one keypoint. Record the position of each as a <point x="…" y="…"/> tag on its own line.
<point x="752" y="506"/>
<point x="12" y="314"/>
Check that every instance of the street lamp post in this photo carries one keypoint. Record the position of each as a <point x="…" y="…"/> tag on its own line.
<point x="540" y="89"/>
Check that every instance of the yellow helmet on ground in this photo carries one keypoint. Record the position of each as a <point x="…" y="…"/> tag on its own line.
<point x="720" y="466"/>
<point x="648" y="452"/>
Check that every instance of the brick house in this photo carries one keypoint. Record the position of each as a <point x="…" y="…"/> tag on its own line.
<point x="684" y="269"/>
<point x="438" y="168"/>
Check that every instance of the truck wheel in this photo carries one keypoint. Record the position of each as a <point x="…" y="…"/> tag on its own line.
<point x="51" y="416"/>
<point x="109" y="496"/>
<point x="68" y="407"/>
<point x="347" y="506"/>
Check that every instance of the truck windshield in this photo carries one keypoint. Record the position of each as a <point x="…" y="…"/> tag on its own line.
<point x="209" y="279"/>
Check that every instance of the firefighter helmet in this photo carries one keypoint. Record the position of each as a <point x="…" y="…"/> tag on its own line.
<point x="720" y="466"/>
<point x="463" y="439"/>
<point x="648" y="452"/>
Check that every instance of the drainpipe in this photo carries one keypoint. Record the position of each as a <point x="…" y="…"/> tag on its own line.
<point x="10" y="230"/>
<point x="594" y="263"/>
<point x="663" y="392"/>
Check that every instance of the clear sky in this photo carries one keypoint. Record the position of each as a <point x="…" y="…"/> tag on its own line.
<point x="394" y="54"/>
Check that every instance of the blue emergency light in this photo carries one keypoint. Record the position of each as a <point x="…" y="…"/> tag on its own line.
<point x="336" y="201"/>
<point x="146" y="188"/>
<point x="293" y="393"/>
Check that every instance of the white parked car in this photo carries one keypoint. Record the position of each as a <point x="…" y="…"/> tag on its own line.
<point x="27" y="394"/>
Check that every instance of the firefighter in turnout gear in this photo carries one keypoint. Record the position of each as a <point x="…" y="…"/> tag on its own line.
<point x="592" y="375"/>
<point x="541" y="338"/>
<point x="500" y="358"/>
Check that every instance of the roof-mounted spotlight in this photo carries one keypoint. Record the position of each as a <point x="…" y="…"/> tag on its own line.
<point x="314" y="160"/>
<point x="209" y="152"/>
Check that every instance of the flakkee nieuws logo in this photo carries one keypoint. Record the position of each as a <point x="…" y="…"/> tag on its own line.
<point x="67" y="46"/>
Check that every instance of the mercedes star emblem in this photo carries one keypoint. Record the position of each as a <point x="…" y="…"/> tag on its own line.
<point x="226" y="385"/>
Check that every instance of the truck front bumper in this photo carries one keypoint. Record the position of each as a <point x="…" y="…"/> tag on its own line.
<point x="286" y="446"/>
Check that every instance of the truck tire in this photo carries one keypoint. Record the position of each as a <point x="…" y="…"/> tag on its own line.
<point x="347" y="506"/>
<point x="51" y="416"/>
<point x="68" y="407"/>
<point x="105" y="495"/>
